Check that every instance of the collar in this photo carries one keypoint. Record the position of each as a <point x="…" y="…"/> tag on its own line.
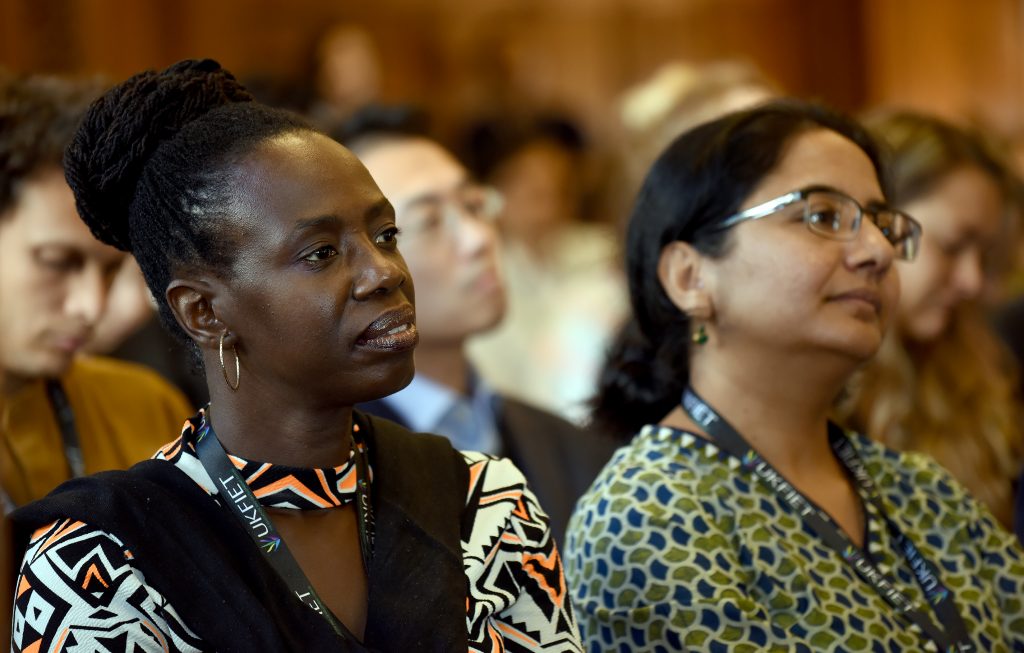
<point x="275" y="486"/>
<point x="423" y="403"/>
<point x="426" y="406"/>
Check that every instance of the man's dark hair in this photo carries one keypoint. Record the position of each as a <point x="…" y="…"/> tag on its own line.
<point x="38" y="117"/>
<point x="377" y="123"/>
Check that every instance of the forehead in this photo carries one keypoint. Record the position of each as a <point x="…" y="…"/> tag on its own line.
<point x="411" y="167"/>
<point x="43" y="214"/>
<point x="965" y="200"/>
<point x="302" y="175"/>
<point x="820" y="157"/>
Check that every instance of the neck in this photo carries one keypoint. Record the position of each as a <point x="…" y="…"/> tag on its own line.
<point x="259" y="426"/>
<point x="780" y="406"/>
<point x="444" y="363"/>
<point x="11" y="384"/>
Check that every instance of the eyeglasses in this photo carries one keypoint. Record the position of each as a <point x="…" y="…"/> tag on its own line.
<point x="835" y="215"/>
<point x="442" y="214"/>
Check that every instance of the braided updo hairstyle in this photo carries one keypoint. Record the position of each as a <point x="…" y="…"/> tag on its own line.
<point x="150" y="168"/>
<point x="698" y="181"/>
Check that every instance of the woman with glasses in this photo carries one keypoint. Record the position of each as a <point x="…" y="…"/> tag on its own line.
<point x="760" y="257"/>
<point x="281" y="519"/>
<point x="942" y="382"/>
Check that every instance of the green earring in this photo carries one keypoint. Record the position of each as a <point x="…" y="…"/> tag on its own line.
<point x="700" y="336"/>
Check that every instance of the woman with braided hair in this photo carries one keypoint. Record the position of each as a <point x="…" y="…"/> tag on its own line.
<point x="280" y="519"/>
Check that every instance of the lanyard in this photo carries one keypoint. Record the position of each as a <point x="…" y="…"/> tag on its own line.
<point x="953" y="637"/>
<point x="65" y="417"/>
<point x="68" y="431"/>
<point x="242" y="503"/>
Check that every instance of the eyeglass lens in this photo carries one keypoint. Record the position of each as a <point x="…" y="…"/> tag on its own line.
<point x="836" y="216"/>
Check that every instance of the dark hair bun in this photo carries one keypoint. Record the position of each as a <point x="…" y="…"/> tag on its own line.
<point x="124" y="127"/>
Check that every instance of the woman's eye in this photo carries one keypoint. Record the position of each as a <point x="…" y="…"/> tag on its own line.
<point x="321" y="254"/>
<point x="825" y="219"/>
<point x="388" y="236"/>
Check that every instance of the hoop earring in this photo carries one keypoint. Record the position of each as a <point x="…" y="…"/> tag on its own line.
<point x="699" y="337"/>
<point x="224" y="369"/>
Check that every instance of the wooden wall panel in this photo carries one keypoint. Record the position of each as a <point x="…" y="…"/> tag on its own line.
<point x="952" y="56"/>
<point x="962" y="60"/>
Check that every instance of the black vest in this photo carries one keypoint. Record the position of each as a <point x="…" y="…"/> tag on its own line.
<point x="194" y="553"/>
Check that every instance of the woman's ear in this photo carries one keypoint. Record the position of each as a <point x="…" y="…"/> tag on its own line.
<point x="679" y="269"/>
<point x="191" y="303"/>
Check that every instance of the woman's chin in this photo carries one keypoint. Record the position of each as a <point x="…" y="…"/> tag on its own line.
<point x="925" y="329"/>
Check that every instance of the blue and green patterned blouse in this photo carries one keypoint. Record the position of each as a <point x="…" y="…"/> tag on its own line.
<point x="674" y="548"/>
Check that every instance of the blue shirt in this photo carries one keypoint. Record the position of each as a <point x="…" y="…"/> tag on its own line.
<point x="469" y="422"/>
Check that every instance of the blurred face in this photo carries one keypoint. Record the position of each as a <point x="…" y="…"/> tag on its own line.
<point x="54" y="278"/>
<point x="961" y="217"/>
<point x="451" y="253"/>
<point x="783" y="287"/>
<point x="319" y="298"/>
<point x="539" y="186"/>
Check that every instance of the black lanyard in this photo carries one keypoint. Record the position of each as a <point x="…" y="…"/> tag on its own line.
<point x="65" y="417"/>
<point x="243" y="504"/>
<point x="68" y="431"/>
<point x="953" y="636"/>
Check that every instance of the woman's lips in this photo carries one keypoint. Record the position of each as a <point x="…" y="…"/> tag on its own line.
<point x="862" y="296"/>
<point x="392" y="331"/>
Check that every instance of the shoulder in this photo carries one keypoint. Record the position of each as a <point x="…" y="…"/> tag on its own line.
<point x="904" y="475"/>
<point x="100" y="591"/>
<point x="662" y="479"/>
<point x="400" y="443"/>
<point x="127" y="382"/>
<point x="53" y="549"/>
<point x="502" y="520"/>
<point x="104" y="369"/>
<point x="517" y="418"/>
<point x="126" y="502"/>
<point x="497" y="491"/>
<point x="492" y="471"/>
<point x="522" y="411"/>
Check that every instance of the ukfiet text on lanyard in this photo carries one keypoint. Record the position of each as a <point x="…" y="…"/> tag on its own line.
<point x="950" y="633"/>
<point x="240" y="501"/>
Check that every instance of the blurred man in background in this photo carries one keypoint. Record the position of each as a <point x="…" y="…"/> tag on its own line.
<point x="450" y="244"/>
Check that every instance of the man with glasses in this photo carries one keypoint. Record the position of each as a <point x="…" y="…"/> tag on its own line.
<point x="448" y="238"/>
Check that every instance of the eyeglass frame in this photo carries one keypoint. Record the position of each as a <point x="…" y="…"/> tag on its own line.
<point x="775" y="205"/>
<point x="494" y="203"/>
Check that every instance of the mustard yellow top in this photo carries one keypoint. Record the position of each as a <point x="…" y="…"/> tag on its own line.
<point x="123" y="414"/>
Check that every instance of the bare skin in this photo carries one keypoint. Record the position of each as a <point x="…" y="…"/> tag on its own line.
<point x="326" y="545"/>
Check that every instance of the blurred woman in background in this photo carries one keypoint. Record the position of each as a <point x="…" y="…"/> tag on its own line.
<point x="566" y="296"/>
<point x="739" y="518"/>
<point x="942" y="382"/>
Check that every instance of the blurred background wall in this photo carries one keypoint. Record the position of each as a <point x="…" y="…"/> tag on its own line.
<point x="963" y="59"/>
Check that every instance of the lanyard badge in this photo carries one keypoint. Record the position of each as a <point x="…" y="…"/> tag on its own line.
<point x="238" y="499"/>
<point x="951" y="635"/>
